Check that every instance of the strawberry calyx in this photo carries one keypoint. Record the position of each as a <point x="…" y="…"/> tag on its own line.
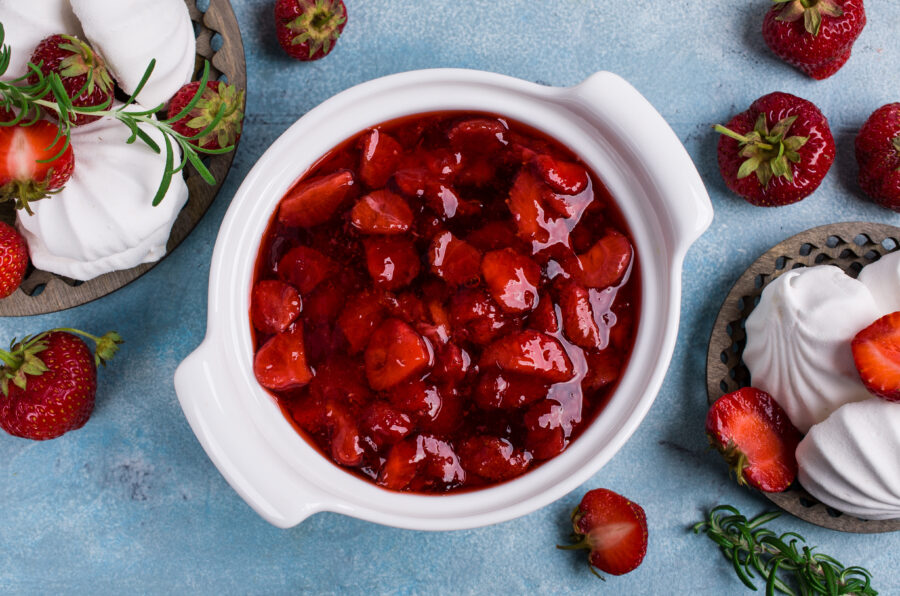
<point x="319" y="24"/>
<point x="22" y="360"/>
<point x="810" y="10"/>
<point x="896" y="143"/>
<point x="24" y="192"/>
<point x="582" y="541"/>
<point x="84" y="61"/>
<point x="227" y="101"/>
<point x="769" y="152"/>
<point x="734" y="457"/>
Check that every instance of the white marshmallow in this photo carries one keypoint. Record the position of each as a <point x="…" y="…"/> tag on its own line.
<point x="27" y="22"/>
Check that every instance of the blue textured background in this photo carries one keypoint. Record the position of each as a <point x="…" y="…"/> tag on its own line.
<point x="131" y="500"/>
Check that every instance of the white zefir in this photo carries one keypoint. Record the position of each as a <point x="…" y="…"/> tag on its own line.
<point x="27" y="22"/>
<point x="130" y="33"/>
<point x="104" y="220"/>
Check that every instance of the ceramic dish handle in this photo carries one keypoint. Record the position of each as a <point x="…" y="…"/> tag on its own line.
<point x="247" y="461"/>
<point x="622" y="113"/>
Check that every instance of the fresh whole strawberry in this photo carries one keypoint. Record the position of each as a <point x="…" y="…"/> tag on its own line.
<point x="218" y="98"/>
<point x="777" y="152"/>
<point x="83" y="72"/>
<point x="756" y="438"/>
<point x="49" y="381"/>
<point x="13" y="259"/>
<point x="876" y="352"/>
<point x="816" y="36"/>
<point x="878" y="155"/>
<point x="308" y="29"/>
<point x="33" y="164"/>
<point x="613" y="528"/>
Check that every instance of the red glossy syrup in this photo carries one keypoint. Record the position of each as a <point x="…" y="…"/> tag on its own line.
<point x="444" y="302"/>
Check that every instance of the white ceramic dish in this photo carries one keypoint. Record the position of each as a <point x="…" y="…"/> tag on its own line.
<point x="610" y="126"/>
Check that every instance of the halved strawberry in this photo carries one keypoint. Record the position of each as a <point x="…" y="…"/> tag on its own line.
<point x="454" y="260"/>
<point x="876" y="352"/>
<point x="392" y="262"/>
<point x="756" y="438"/>
<point x="395" y="353"/>
<point x="274" y="305"/>
<point x="346" y="441"/>
<point x="32" y="163"/>
<point x="493" y="458"/>
<point x="305" y="268"/>
<point x="475" y="317"/>
<point x="579" y="322"/>
<point x="512" y="279"/>
<point x="613" y="528"/>
<point x="478" y="135"/>
<point x="606" y="262"/>
<point x="361" y="316"/>
<point x="280" y="363"/>
<point x="381" y="212"/>
<point x="562" y="176"/>
<point x="380" y="155"/>
<point x="531" y="353"/>
<point x="524" y="203"/>
<point x="507" y="390"/>
<point x="421" y="462"/>
<point x="313" y="202"/>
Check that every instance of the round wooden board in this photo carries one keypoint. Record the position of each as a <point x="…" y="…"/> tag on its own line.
<point x="44" y="292"/>
<point x="849" y="246"/>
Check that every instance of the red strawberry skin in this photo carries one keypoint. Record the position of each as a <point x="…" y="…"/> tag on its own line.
<point x="13" y="259"/>
<point x="816" y="155"/>
<point x="876" y="352"/>
<point x="756" y="437"/>
<point x="308" y="29"/>
<point x="228" y="130"/>
<point x="878" y="156"/>
<point x="52" y="55"/>
<point x="615" y="529"/>
<point x="57" y="401"/>
<point x="818" y="55"/>
<point x="22" y="149"/>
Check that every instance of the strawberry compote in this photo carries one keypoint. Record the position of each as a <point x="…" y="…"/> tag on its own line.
<point x="444" y="301"/>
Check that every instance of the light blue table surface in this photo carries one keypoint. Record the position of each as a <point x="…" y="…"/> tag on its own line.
<point x="131" y="502"/>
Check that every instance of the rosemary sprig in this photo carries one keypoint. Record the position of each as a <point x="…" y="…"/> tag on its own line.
<point x="779" y="560"/>
<point x="30" y="101"/>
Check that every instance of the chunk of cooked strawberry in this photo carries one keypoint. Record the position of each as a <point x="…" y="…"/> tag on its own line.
<point x="512" y="279"/>
<point x="344" y="435"/>
<point x="401" y="465"/>
<point x="544" y="317"/>
<point x="478" y="135"/>
<point x="441" y="163"/>
<point x="495" y="235"/>
<point x="412" y="180"/>
<point x="395" y="353"/>
<point x="756" y="438"/>
<point x="313" y="202"/>
<point x="449" y="416"/>
<point x="501" y="390"/>
<point x="362" y="314"/>
<point x="379" y="155"/>
<point x="280" y="363"/>
<point x="613" y="528"/>
<point x="381" y="212"/>
<point x="493" y="458"/>
<point x="524" y="203"/>
<point x="876" y="352"/>
<point x="579" y="320"/>
<point x="532" y="353"/>
<point x="341" y="378"/>
<point x="393" y="262"/>
<point x="545" y="434"/>
<point x="477" y="172"/>
<point x="326" y="301"/>
<point x="452" y="363"/>
<point x="562" y="176"/>
<point x="454" y="260"/>
<point x="606" y="263"/>
<point x="418" y="398"/>
<point x="444" y="201"/>
<point x="384" y="424"/>
<point x="304" y="268"/>
<point x="274" y="305"/>
<point x="407" y="307"/>
<point x="474" y="316"/>
<point x="603" y="369"/>
<point x="421" y="462"/>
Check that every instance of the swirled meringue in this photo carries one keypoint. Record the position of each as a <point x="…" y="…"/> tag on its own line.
<point x="26" y="23"/>
<point x="883" y="280"/>
<point x="798" y="341"/>
<point x="103" y="219"/>
<point x="850" y="461"/>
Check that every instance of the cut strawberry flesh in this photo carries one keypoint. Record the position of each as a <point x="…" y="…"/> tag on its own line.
<point x="606" y="263"/>
<point x="394" y="354"/>
<point x="530" y="353"/>
<point x="273" y="306"/>
<point x="756" y="437"/>
<point x="280" y="363"/>
<point x="360" y="317"/>
<point x="562" y="176"/>
<point x="304" y="268"/>
<point x="876" y="352"/>
<point x="381" y="212"/>
<point x="313" y="202"/>
<point x="497" y="390"/>
<point x="512" y="279"/>
<point x="454" y="260"/>
<point x="579" y="320"/>
<point x="379" y="156"/>
<point x="392" y="262"/>
<point x="475" y="317"/>
<point x="614" y="529"/>
<point x="385" y="424"/>
<point x="478" y="135"/>
<point x="493" y="458"/>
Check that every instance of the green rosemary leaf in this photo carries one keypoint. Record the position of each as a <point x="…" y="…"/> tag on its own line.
<point x="201" y="168"/>
<point x="140" y="87"/>
<point x="148" y="140"/>
<point x="167" y="174"/>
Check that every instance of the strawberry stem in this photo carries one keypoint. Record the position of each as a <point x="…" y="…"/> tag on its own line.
<point x="739" y="137"/>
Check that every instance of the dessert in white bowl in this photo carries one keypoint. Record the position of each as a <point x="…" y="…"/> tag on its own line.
<point x="798" y="341"/>
<point x="26" y="23"/>
<point x="131" y="33"/>
<point x="851" y="461"/>
<point x="104" y="218"/>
